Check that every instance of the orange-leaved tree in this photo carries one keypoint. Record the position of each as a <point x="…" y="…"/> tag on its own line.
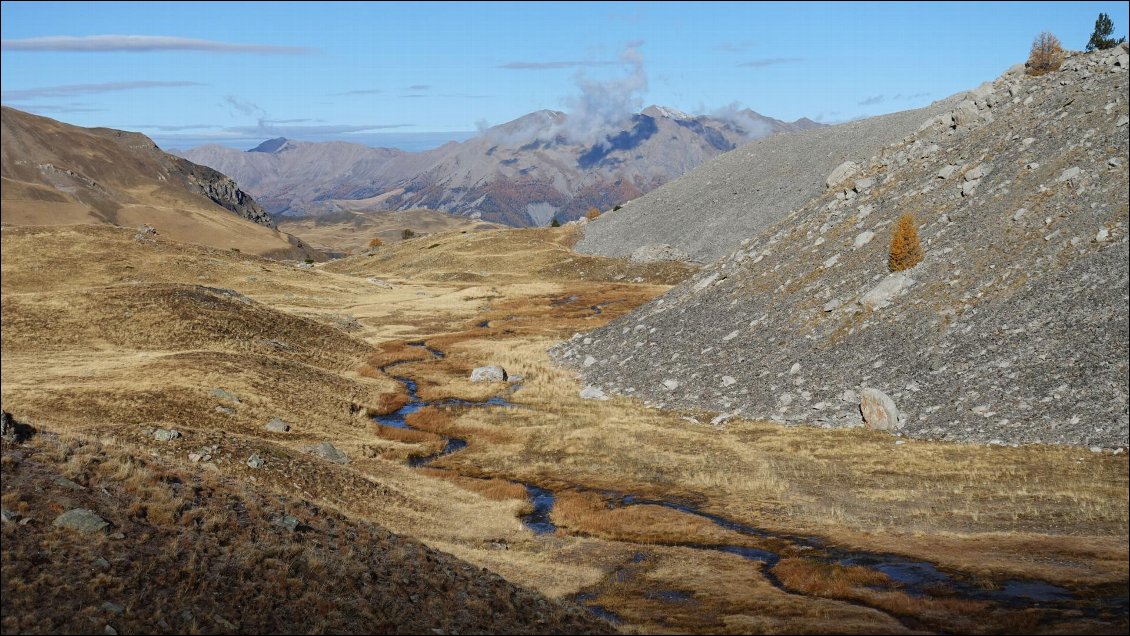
<point x="592" y="213"/>
<point x="1046" y="55"/>
<point x="906" y="250"/>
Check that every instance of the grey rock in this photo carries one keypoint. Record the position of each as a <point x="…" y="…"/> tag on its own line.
<point x="490" y="373"/>
<point x="287" y="522"/>
<point x="327" y="451"/>
<point x="225" y="395"/>
<point x="113" y="608"/>
<point x="658" y="252"/>
<point x="886" y="291"/>
<point x="81" y="520"/>
<point x="255" y="462"/>
<point x="12" y="431"/>
<point x="165" y="434"/>
<point x="101" y="564"/>
<point x="863" y="238"/>
<point x="589" y="361"/>
<point x="841" y="173"/>
<point x="1069" y="174"/>
<point x="277" y="426"/>
<point x="225" y="410"/>
<point x="729" y="380"/>
<point x="593" y="393"/>
<point x="878" y="410"/>
<point x="863" y="184"/>
<point x="947" y="171"/>
<point x="670" y="384"/>
<point x="7" y="516"/>
<point x="832" y="305"/>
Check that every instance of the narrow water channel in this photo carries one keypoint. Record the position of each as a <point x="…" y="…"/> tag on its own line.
<point x="915" y="578"/>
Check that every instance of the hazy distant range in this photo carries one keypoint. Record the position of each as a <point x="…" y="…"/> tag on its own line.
<point x="406" y="141"/>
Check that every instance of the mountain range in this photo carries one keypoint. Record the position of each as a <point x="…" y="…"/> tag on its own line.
<point x="520" y="173"/>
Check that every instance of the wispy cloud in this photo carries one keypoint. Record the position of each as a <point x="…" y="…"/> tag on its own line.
<point x="244" y="106"/>
<point x="60" y="108"/>
<point x="897" y="97"/>
<point x="736" y="47"/>
<point x="364" y="91"/>
<point x="69" y="90"/>
<point x="267" y="129"/>
<point x="541" y="66"/>
<point x="142" y="44"/>
<point x="420" y="87"/>
<point x="444" y="95"/>
<point x="770" y="61"/>
<point x="163" y="128"/>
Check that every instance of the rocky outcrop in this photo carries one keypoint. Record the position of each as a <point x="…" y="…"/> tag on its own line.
<point x="223" y="191"/>
<point x="1015" y="328"/>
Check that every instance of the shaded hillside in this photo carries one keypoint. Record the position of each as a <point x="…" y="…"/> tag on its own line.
<point x="1013" y="328"/>
<point x="523" y="172"/>
<point x="184" y="550"/>
<point x="58" y="174"/>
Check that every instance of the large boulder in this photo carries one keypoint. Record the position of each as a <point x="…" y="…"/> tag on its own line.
<point x="81" y="520"/>
<point x="842" y="173"/>
<point x="882" y="294"/>
<point x="326" y="450"/>
<point x="879" y="411"/>
<point x="491" y="373"/>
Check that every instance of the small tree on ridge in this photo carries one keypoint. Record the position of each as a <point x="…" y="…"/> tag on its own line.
<point x="1100" y="38"/>
<point x="1046" y="55"/>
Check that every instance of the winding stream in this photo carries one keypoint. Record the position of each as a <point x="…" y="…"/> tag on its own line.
<point x="915" y="578"/>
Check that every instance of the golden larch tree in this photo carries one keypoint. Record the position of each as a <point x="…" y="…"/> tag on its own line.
<point x="906" y="250"/>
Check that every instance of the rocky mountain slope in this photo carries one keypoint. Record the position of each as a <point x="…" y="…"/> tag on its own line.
<point x="1012" y="330"/>
<point x="524" y="172"/>
<point x="706" y="213"/>
<point x="57" y="174"/>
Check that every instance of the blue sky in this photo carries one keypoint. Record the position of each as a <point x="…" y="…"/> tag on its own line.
<point x="416" y="74"/>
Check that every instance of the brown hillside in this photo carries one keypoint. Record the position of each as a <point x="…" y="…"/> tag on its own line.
<point x="57" y="174"/>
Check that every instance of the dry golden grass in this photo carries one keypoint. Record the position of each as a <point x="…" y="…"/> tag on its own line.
<point x="202" y="552"/>
<point x="1051" y="513"/>
<point x="348" y="231"/>
<point x="587" y="514"/>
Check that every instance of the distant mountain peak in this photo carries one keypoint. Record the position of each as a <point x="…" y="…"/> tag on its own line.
<point x="666" y="112"/>
<point x="273" y="145"/>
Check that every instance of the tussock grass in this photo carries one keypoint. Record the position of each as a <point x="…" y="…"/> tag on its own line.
<point x="200" y="542"/>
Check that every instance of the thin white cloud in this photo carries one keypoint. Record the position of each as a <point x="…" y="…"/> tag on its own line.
<point x="69" y="90"/>
<point x="736" y="47"/>
<point x="420" y="87"/>
<point x="541" y="66"/>
<point x="366" y="91"/>
<point x="268" y="129"/>
<point x="770" y="61"/>
<point x="142" y="44"/>
<point x="163" y="128"/>
<point x="64" y="108"/>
